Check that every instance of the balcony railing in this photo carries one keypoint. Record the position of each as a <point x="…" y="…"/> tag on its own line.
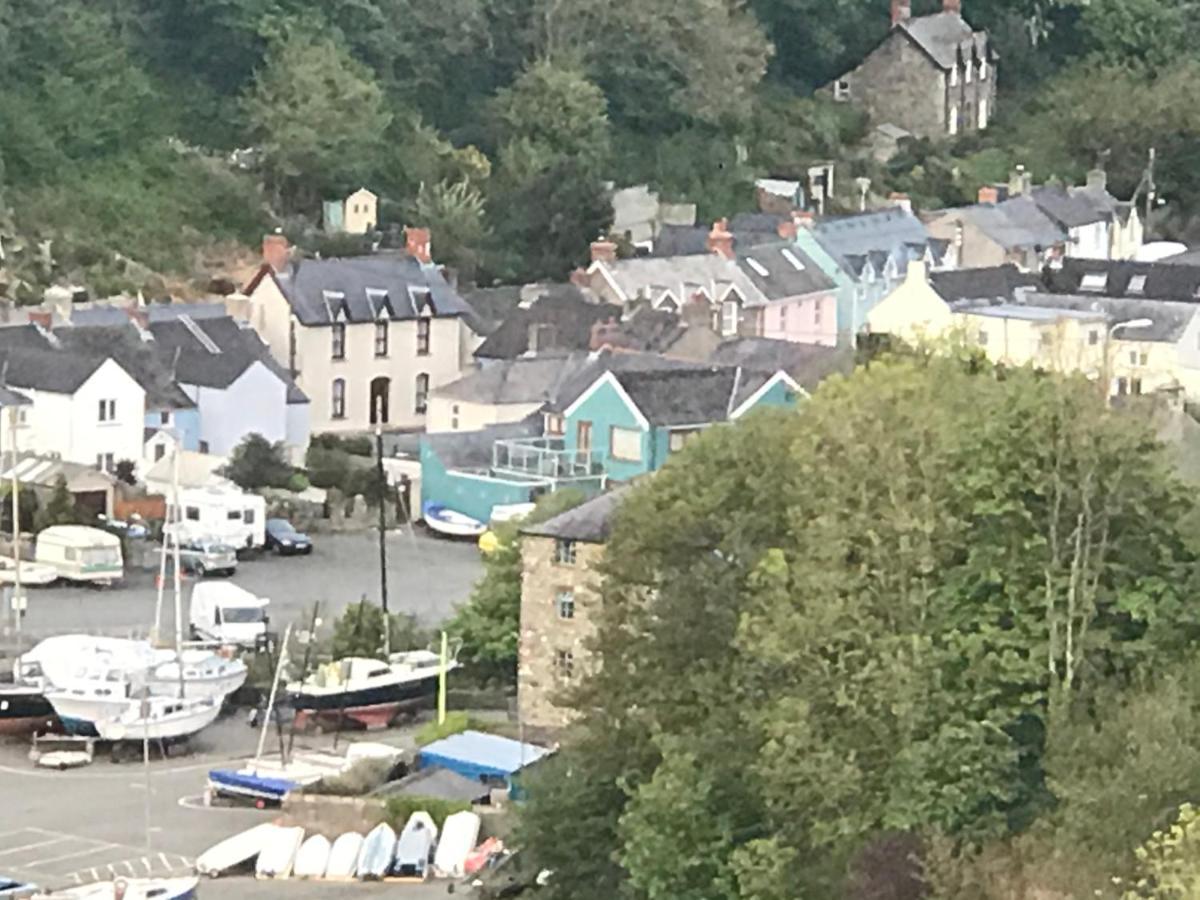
<point x="546" y="457"/>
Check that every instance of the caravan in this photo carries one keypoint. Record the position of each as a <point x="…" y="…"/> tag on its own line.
<point x="79" y="553"/>
<point x="226" y="515"/>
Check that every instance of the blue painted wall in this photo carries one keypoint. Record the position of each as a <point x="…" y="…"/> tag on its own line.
<point x="779" y="394"/>
<point x="185" y="421"/>
<point x="471" y="496"/>
<point x="605" y="409"/>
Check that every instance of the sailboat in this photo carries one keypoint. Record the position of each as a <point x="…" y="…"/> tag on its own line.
<point x="160" y="719"/>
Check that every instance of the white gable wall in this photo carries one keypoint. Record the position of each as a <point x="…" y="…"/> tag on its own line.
<point x="255" y="403"/>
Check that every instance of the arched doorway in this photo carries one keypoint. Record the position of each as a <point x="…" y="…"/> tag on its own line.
<point x="380" y="388"/>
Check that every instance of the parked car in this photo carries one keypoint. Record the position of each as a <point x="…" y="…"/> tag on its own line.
<point x="201" y="557"/>
<point x="284" y="539"/>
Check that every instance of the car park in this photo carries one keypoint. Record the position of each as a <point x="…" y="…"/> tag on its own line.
<point x="202" y="557"/>
<point x="284" y="539"/>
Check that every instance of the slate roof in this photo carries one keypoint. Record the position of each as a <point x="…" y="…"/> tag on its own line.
<point x="1015" y="223"/>
<point x="139" y="358"/>
<point x="1068" y="209"/>
<point x="608" y="361"/>
<point x="533" y="380"/>
<point x="12" y="398"/>
<point x="860" y="234"/>
<point x="808" y="364"/>
<point x="590" y="522"/>
<point x="155" y="312"/>
<point x="569" y="320"/>
<point x="45" y="370"/>
<point x="681" y="240"/>
<point x="1161" y="280"/>
<point x="789" y="272"/>
<point x="435" y="782"/>
<point x="941" y="35"/>
<point x="990" y="283"/>
<point x="1169" y="319"/>
<point x="493" y="305"/>
<point x="763" y="223"/>
<point x="359" y="287"/>
<point x="693" y="396"/>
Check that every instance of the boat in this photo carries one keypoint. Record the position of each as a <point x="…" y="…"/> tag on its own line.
<point x="235" y="784"/>
<point x="368" y="692"/>
<point x="312" y="858"/>
<point x="205" y="674"/>
<point x="11" y="889"/>
<point x="460" y="832"/>
<point x="415" y="847"/>
<point x="159" y="719"/>
<point x="450" y="523"/>
<point x="237" y="850"/>
<point x="81" y="703"/>
<point x="343" y="856"/>
<point x="35" y="574"/>
<point x="378" y="850"/>
<point x="278" y="854"/>
<point x="24" y="709"/>
<point x="479" y="858"/>
<point x="129" y="889"/>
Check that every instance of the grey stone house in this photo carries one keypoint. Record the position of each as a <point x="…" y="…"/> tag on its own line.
<point x="933" y="76"/>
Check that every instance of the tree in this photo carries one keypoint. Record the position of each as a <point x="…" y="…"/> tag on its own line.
<point x="358" y="631"/>
<point x="257" y="463"/>
<point x="489" y="623"/>
<point x="865" y="620"/>
<point x="318" y="116"/>
<point x="126" y="471"/>
<point x="551" y="113"/>
<point x="455" y="214"/>
<point x="60" y="508"/>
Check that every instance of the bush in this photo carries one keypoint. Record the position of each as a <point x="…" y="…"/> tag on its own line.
<point x="355" y="444"/>
<point x="361" y="778"/>
<point x="257" y="463"/>
<point x="398" y="810"/>
<point x="298" y="483"/>
<point x="456" y="723"/>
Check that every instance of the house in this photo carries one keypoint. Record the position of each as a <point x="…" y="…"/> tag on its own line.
<point x="1125" y="278"/>
<point x="639" y="214"/>
<point x="554" y="319"/>
<point x="365" y="338"/>
<point x="239" y="389"/>
<point x="633" y="420"/>
<point x="768" y="290"/>
<point x="933" y="76"/>
<point x="991" y="234"/>
<point x="93" y="492"/>
<point x="807" y="364"/>
<point x="560" y="602"/>
<point x="867" y="255"/>
<point x="357" y="214"/>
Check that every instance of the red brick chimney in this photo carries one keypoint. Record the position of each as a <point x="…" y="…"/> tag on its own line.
<point x="45" y="319"/>
<point x="952" y="6"/>
<point x="901" y="11"/>
<point x="989" y="193"/>
<point x="276" y="251"/>
<point x="787" y="229"/>
<point x="416" y="242"/>
<point x="720" y="241"/>
<point x="604" y="334"/>
<point x="903" y="201"/>
<point x="803" y="219"/>
<point x="604" y="250"/>
<point x="139" y="317"/>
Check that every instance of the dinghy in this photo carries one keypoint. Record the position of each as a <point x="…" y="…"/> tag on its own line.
<point x="378" y="849"/>
<point x="244" y="785"/>
<point x="129" y="889"/>
<point x="415" y="847"/>
<point x="460" y="833"/>
<point x="343" y="856"/>
<point x="450" y="523"/>
<point x="312" y="858"/>
<point x="237" y="850"/>
<point x="278" y="854"/>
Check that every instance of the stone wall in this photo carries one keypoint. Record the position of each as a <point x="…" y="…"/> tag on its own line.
<point x="544" y="633"/>
<point x="331" y="816"/>
<point x="900" y="85"/>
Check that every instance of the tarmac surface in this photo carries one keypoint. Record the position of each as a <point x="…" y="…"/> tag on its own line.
<point x="427" y="577"/>
<point x="61" y="829"/>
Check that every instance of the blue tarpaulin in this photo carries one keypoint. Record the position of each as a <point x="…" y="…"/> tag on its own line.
<point x="480" y="756"/>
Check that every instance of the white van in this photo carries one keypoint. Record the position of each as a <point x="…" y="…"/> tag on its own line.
<point x="223" y="612"/>
<point x="80" y="553"/>
<point x="224" y="514"/>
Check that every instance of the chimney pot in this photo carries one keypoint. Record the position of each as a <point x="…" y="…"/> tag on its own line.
<point x="1097" y="178"/>
<point x="901" y="11"/>
<point x="276" y="251"/>
<point x="416" y="242"/>
<point x="952" y="6"/>
<point x="604" y="250"/>
<point x="787" y="229"/>
<point x="803" y="218"/>
<point x="720" y="241"/>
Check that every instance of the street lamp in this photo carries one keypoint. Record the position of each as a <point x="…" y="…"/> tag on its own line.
<point x="1129" y="323"/>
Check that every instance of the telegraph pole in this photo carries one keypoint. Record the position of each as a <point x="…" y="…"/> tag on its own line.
<point x="382" y="484"/>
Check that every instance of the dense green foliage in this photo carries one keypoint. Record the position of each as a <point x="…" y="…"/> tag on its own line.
<point x="941" y="606"/>
<point x="498" y="122"/>
<point x="359" y="632"/>
<point x="257" y="463"/>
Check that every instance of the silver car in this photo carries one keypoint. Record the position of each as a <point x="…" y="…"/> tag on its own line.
<point x="205" y="557"/>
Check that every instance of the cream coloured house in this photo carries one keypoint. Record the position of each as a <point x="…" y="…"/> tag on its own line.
<point x="366" y="338"/>
<point x="357" y="214"/>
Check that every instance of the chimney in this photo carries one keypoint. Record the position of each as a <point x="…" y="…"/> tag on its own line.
<point x="416" y="242"/>
<point x="787" y="229"/>
<point x="720" y="241"/>
<point x="989" y="193"/>
<point x="275" y="251"/>
<point x="604" y="250"/>
<point x="802" y="218"/>
<point x="901" y="200"/>
<point x="1019" y="182"/>
<point x="139" y="317"/>
<point x="603" y="333"/>
<point x="952" y="6"/>
<point x="901" y="11"/>
<point x="43" y="319"/>
<point x="1098" y="179"/>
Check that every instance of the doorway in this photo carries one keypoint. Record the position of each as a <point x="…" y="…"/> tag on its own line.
<point x="380" y="387"/>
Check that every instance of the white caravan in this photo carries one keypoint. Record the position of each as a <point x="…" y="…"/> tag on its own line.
<point x="223" y="612"/>
<point x="226" y="514"/>
<point x="80" y="553"/>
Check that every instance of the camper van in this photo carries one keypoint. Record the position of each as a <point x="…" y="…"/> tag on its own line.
<point x="225" y="613"/>
<point x="80" y="553"/>
<point x="226" y="515"/>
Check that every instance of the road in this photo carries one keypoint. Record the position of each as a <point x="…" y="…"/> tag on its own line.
<point x="427" y="577"/>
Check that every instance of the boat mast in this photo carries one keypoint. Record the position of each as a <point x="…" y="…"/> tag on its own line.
<point x="262" y="738"/>
<point x="382" y="488"/>
<point x="175" y="547"/>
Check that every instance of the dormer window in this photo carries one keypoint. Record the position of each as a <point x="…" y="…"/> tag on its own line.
<point x="757" y="267"/>
<point x="1094" y="282"/>
<point x="793" y="259"/>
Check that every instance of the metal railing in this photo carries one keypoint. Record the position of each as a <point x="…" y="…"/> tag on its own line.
<point x="546" y="457"/>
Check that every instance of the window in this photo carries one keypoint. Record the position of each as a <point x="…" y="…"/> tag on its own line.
<point x="554" y="424"/>
<point x="970" y="71"/>
<point x="454" y="419"/>
<point x="983" y="114"/>
<point x="953" y="118"/>
<point x="954" y="76"/>
<point x="1046" y="338"/>
<point x="564" y="603"/>
<point x="841" y="90"/>
<point x="1094" y="281"/>
<point x="164" y="418"/>
<point x="625" y="444"/>
<point x="783" y="318"/>
<point x="204" y="446"/>
<point x="337" y="404"/>
<point x="159" y="452"/>
<point x="564" y="662"/>
<point x="233" y="515"/>
<point x="817" y="313"/>
<point x="105" y="462"/>
<point x="981" y="338"/>
<point x="421" y="399"/>
<point x="679" y="439"/>
<point x="1122" y="387"/>
<point x="583" y="436"/>
<point x="108" y="410"/>
<point x="1137" y="284"/>
<point x="1093" y="338"/>
<point x="422" y="337"/>
<point x="564" y="552"/>
<point x="337" y="340"/>
<point x="1135" y="385"/>
<point x="191" y="513"/>
<point x="1138" y="358"/>
<point x="248" y="517"/>
<point x="983" y="68"/>
<point x="381" y="338"/>
<point x="729" y="318"/>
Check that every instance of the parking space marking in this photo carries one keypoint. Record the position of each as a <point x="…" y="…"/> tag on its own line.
<point x="57" y="840"/>
<point x="98" y="847"/>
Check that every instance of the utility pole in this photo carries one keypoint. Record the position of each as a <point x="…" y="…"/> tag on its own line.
<point x="1150" y="191"/>
<point x="382" y="487"/>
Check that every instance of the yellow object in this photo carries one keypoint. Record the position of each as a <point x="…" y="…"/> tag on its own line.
<point x="442" y="684"/>
<point x="488" y="543"/>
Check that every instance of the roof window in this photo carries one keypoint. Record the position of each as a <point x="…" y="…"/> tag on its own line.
<point x="1094" y="281"/>
<point x="793" y="259"/>
<point x="1137" y="284"/>
<point x="757" y="266"/>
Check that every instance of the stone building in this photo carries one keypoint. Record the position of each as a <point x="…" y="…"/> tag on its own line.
<point x="559" y="605"/>
<point x="933" y="76"/>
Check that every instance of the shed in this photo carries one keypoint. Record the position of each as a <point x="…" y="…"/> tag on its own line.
<point x="481" y="757"/>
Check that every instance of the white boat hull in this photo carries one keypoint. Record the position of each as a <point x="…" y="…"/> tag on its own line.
<point x="165" y="722"/>
<point x="234" y="851"/>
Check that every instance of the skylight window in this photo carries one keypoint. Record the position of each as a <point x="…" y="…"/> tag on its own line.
<point x="1094" y="281"/>
<point x="1137" y="284"/>
<point x="793" y="259"/>
<point x="757" y="266"/>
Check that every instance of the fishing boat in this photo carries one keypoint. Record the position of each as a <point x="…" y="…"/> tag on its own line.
<point x="129" y="889"/>
<point x="450" y="523"/>
<point x="160" y="719"/>
<point x="369" y="692"/>
<point x="24" y="709"/>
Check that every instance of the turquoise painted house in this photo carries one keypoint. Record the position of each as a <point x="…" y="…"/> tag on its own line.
<point x="634" y="420"/>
